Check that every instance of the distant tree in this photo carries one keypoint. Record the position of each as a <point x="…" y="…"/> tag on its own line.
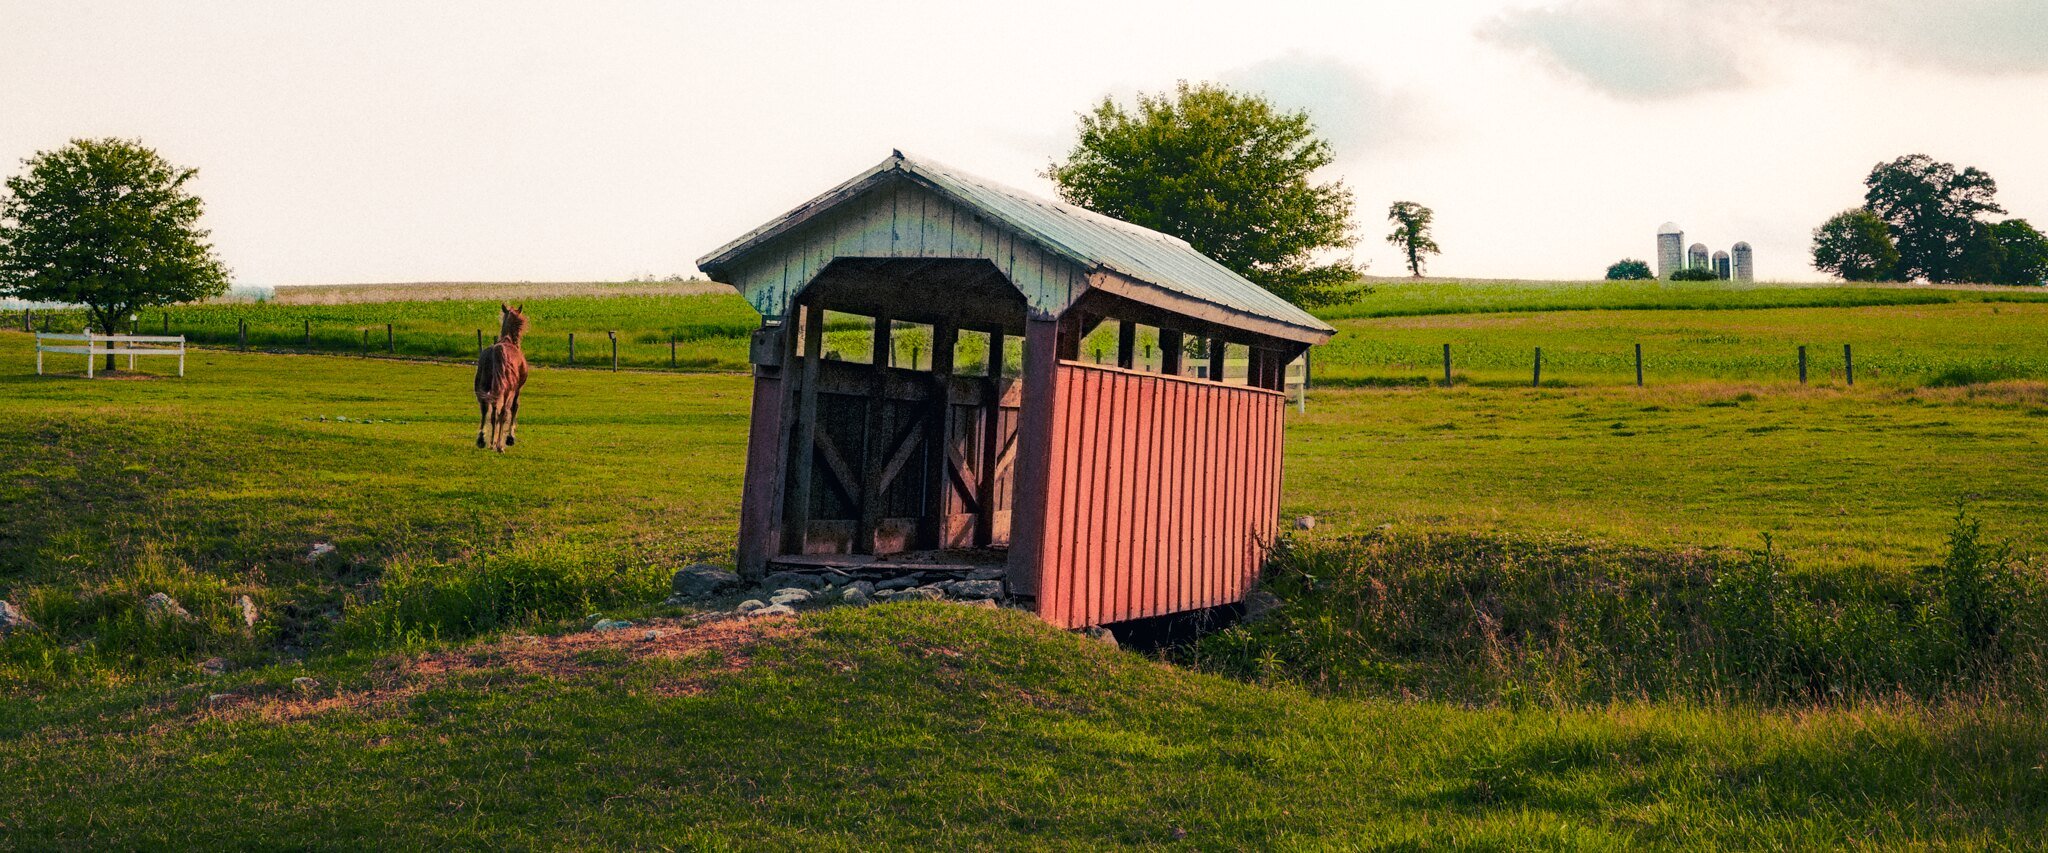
<point x="1694" y="274"/>
<point x="108" y="224"/>
<point x="1856" y="245"/>
<point x="2022" y="253"/>
<point x="1630" y="269"/>
<point x="1411" y="233"/>
<point x="1227" y="172"/>
<point x="1933" y="210"/>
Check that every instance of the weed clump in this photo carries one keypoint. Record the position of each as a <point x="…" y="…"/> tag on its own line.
<point x="1478" y="619"/>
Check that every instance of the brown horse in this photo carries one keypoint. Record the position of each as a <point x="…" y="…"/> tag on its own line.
<point x="500" y="373"/>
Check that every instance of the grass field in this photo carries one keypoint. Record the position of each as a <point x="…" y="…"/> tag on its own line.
<point x="438" y="721"/>
<point x="1689" y="330"/>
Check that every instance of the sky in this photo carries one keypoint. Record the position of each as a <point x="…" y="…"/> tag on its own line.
<point x="510" y="141"/>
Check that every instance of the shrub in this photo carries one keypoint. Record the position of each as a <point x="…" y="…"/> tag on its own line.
<point x="1470" y="618"/>
<point x="1630" y="269"/>
<point x="1694" y="274"/>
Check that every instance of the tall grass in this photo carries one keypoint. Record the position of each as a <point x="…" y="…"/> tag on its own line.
<point x="1480" y="619"/>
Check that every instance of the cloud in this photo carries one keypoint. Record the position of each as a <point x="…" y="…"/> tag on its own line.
<point x="1656" y="49"/>
<point x="1358" y="114"/>
<point x="1636" y="51"/>
<point x="1969" y="36"/>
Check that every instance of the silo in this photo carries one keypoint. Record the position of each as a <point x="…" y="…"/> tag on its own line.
<point x="1696" y="256"/>
<point x="1670" y="249"/>
<point x="1721" y="265"/>
<point x="1745" y="263"/>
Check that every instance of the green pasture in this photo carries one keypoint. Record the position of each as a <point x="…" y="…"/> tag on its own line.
<point x="934" y="724"/>
<point x="939" y="726"/>
<point x="1393" y="335"/>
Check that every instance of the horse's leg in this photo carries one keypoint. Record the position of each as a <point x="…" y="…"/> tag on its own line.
<point x="498" y="424"/>
<point x="483" y="405"/>
<point x="512" y="422"/>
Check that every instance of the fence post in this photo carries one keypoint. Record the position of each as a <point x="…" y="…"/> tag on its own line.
<point x="479" y="342"/>
<point x="308" y="342"/>
<point x="572" y="347"/>
<point x="366" y="343"/>
<point x="1447" y="365"/>
<point x="1639" y="365"/>
<point x="1536" y="378"/>
<point x="1848" y="364"/>
<point x="390" y="342"/>
<point x="242" y="334"/>
<point x="1802" y="364"/>
<point x="671" y="349"/>
<point x="167" y="322"/>
<point x="615" y="350"/>
<point x="28" y="320"/>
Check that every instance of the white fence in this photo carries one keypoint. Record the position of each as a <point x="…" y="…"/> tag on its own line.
<point x="99" y="345"/>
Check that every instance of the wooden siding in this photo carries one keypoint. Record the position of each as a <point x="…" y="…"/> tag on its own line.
<point x="904" y="220"/>
<point x="1163" y="494"/>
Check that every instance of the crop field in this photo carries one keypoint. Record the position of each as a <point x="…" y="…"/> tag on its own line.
<point x="456" y="701"/>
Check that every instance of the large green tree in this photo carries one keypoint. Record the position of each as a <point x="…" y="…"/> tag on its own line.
<point x="1856" y="245"/>
<point x="1933" y="209"/>
<point x="1411" y="235"/>
<point x="1227" y="172"/>
<point x="2022" y="253"/>
<point x="108" y="224"/>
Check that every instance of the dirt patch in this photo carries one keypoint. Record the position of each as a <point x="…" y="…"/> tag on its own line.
<point x="524" y="657"/>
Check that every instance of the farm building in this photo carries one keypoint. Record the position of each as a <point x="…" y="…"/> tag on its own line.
<point x="1104" y="492"/>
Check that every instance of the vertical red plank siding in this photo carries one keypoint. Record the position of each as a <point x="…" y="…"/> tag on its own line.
<point x="1163" y="494"/>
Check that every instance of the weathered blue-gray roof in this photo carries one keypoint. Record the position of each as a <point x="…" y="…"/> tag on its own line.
<point x="1093" y="241"/>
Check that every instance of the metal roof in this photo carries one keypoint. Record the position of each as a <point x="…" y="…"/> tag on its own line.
<point x="1090" y="239"/>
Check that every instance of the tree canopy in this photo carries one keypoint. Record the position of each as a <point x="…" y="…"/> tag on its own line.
<point x="2020" y="251"/>
<point x="1411" y="235"/>
<point x="1227" y="172"/>
<point x="1933" y="210"/>
<point x="1856" y="245"/>
<point x="1630" y="269"/>
<point x="108" y="224"/>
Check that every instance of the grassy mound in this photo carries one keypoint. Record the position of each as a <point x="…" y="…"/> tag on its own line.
<point x="931" y="724"/>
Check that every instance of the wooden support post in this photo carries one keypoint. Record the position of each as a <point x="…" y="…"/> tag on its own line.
<point x="306" y="339"/>
<point x="1169" y="351"/>
<point x="572" y="347"/>
<point x="938" y="437"/>
<point x="671" y="349"/>
<point x="1126" y="343"/>
<point x="242" y="334"/>
<point x="1254" y="367"/>
<point x="797" y="517"/>
<point x="614" y="336"/>
<point x="1218" y="349"/>
<point x="28" y="320"/>
<point x="1848" y="365"/>
<point x="1447" y="365"/>
<point x="1536" y="378"/>
<point x="1802" y="364"/>
<point x="167" y="321"/>
<point x="991" y="444"/>
<point x="1032" y="496"/>
<point x="479" y="342"/>
<point x="875" y="444"/>
<point x="1639" y="365"/>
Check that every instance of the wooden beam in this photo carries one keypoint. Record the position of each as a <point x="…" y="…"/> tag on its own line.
<point x="991" y="424"/>
<point x="835" y="465"/>
<point x="872" y="452"/>
<point x="1126" y="343"/>
<point x="1169" y="351"/>
<point x="939" y="437"/>
<point x="798" y="514"/>
<point x="1032" y="496"/>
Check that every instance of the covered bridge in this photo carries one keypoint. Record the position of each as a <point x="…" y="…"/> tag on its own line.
<point x="1108" y="491"/>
